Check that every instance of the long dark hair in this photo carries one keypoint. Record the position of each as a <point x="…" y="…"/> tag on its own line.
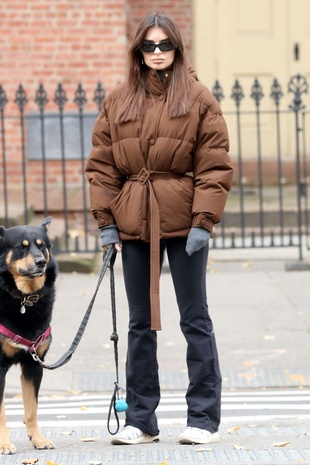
<point x="178" y="94"/>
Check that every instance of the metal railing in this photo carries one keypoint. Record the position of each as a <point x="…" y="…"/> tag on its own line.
<point x="258" y="213"/>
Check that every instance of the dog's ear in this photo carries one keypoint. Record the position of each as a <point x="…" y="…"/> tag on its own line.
<point x="2" y="232"/>
<point x="46" y="222"/>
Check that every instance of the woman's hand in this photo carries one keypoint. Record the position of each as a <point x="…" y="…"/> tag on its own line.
<point x="109" y="235"/>
<point x="117" y="245"/>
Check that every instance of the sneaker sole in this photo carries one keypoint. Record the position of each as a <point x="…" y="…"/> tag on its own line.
<point x="187" y="440"/>
<point x="141" y="440"/>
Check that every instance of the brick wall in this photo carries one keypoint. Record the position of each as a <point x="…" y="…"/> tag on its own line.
<point x="53" y="41"/>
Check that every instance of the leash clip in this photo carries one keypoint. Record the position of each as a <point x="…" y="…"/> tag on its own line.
<point x="34" y="355"/>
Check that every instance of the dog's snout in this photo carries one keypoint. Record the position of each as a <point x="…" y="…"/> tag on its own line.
<point x="40" y="262"/>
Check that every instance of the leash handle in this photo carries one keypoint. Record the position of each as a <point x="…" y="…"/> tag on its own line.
<point x="108" y="260"/>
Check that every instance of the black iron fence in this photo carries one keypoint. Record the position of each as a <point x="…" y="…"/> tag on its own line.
<point x="268" y="205"/>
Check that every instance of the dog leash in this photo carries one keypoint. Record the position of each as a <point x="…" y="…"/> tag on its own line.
<point x="108" y="261"/>
<point x="118" y="404"/>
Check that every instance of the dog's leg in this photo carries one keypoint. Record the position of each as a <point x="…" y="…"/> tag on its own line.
<point x="6" y="447"/>
<point x="31" y="381"/>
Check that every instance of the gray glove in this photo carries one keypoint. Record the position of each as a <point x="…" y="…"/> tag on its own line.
<point x="197" y="238"/>
<point x="109" y="235"/>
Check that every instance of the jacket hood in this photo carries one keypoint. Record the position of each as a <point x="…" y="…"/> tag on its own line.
<point x="192" y="71"/>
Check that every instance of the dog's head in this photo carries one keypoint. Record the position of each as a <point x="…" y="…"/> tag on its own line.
<point x="25" y="250"/>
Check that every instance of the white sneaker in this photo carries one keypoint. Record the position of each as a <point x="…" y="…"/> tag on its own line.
<point x="198" y="436"/>
<point x="132" y="435"/>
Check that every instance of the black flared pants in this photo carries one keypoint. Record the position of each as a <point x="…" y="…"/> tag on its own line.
<point x="142" y="383"/>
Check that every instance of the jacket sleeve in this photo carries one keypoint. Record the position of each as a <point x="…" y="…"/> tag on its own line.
<point x="105" y="181"/>
<point x="212" y="168"/>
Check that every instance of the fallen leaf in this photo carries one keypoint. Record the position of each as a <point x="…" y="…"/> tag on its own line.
<point x="201" y="449"/>
<point x="281" y="444"/>
<point x="163" y="463"/>
<point x="246" y="265"/>
<point x="231" y="430"/>
<point x="49" y="462"/>
<point x="237" y="447"/>
<point x="89" y="439"/>
<point x="95" y="462"/>
<point x="83" y="408"/>
<point x="30" y="461"/>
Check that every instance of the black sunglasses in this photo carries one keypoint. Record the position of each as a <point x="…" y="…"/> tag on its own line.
<point x="148" y="46"/>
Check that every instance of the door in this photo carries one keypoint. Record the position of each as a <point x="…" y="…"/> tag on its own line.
<point x="246" y="40"/>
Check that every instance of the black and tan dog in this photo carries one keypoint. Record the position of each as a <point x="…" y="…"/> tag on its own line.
<point x="27" y="292"/>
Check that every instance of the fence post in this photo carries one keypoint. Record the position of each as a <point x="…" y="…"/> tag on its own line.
<point x="257" y="95"/>
<point x="80" y="99"/>
<point x="298" y="86"/>
<point x="237" y="95"/>
<point x="60" y="99"/>
<point x="217" y="91"/>
<point x="3" y="102"/>
<point x="276" y="94"/>
<point x="41" y="99"/>
<point x="21" y="100"/>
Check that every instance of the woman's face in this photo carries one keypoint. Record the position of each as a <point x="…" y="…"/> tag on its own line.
<point x="157" y="59"/>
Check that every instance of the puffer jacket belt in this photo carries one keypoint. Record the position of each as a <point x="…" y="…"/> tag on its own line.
<point x="146" y="177"/>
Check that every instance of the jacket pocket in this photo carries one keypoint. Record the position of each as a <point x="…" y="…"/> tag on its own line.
<point x="175" y="198"/>
<point x="127" y="209"/>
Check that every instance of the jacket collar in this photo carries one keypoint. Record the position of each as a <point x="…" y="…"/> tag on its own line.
<point x="156" y="85"/>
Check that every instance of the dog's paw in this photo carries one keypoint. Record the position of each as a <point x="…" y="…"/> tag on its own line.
<point x="40" y="442"/>
<point x="7" y="448"/>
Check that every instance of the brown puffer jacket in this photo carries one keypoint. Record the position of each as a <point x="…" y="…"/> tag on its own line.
<point x="157" y="177"/>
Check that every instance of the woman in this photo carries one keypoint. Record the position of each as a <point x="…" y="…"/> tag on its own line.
<point x="159" y="176"/>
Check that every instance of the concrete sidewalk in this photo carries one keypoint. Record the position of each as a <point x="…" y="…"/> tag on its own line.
<point x="261" y="317"/>
<point x="260" y="312"/>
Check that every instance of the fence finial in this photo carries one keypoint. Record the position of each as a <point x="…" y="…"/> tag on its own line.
<point x="41" y="97"/>
<point x="217" y="91"/>
<point x="99" y="95"/>
<point x="276" y="91"/>
<point x="80" y="97"/>
<point x="298" y="85"/>
<point x="3" y="98"/>
<point x="237" y="93"/>
<point x="257" y="92"/>
<point x="21" y="98"/>
<point x="60" y="97"/>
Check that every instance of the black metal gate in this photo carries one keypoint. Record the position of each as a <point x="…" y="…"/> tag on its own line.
<point x="262" y="211"/>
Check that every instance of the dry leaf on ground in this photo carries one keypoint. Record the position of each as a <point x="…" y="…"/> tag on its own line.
<point x="30" y="461"/>
<point x="88" y="439"/>
<point x="231" y="430"/>
<point x="237" y="447"/>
